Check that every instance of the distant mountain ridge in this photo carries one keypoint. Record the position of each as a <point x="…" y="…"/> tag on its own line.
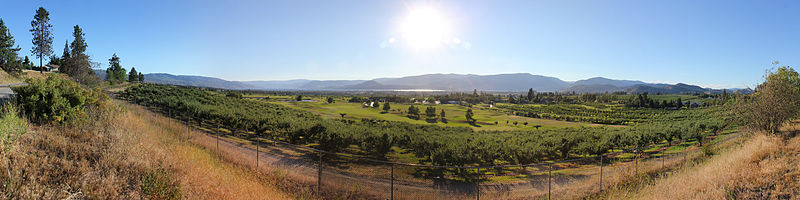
<point x="198" y="81"/>
<point x="605" y="81"/>
<point x="518" y="82"/>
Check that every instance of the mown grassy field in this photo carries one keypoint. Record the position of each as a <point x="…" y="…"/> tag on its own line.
<point x="455" y="115"/>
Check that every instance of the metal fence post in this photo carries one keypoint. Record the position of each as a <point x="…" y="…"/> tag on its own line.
<point x="477" y="191"/>
<point x="549" y="181"/>
<point x="319" y="174"/>
<point x="258" y="143"/>
<point x="684" y="152"/>
<point x="636" y="164"/>
<point x="663" y="158"/>
<point x="392" y="183"/>
<point x="601" y="172"/>
<point x="218" y="132"/>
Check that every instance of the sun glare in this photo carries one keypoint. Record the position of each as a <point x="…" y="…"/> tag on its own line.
<point x="424" y="27"/>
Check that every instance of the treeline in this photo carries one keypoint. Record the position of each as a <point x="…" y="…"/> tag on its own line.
<point x="433" y="144"/>
<point x="598" y="114"/>
<point x="643" y="101"/>
<point x="74" y="61"/>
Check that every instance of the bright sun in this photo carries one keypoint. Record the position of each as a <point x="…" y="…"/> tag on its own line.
<point x="424" y="27"/>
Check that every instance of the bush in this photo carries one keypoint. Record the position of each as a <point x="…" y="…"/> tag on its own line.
<point x="11" y="125"/>
<point x="56" y="99"/>
<point x="157" y="184"/>
<point x="708" y="150"/>
<point x="775" y="101"/>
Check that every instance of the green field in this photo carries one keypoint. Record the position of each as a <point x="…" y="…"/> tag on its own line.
<point x="455" y="115"/>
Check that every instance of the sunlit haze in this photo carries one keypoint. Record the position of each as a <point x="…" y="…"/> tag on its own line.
<point x="425" y="27"/>
<point x="707" y="43"/>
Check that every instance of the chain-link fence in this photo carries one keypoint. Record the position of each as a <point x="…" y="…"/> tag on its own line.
<point x="362" y="177"/>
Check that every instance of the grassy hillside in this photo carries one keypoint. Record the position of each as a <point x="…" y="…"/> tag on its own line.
<point x="760" y="167"/>
<point x="5" y="78"/>
<point x="118" y="151"/>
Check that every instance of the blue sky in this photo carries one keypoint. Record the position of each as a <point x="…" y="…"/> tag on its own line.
<point x="709" y="43"/>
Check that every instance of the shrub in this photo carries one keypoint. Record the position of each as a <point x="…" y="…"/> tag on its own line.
<point x="56" y="99"/>
<point x="157" y="184"/>
<point x="775" y="101"/>
<point x="11" y="125"/>
<point x="708" y="150"/>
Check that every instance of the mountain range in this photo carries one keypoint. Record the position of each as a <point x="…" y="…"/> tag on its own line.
<point x="518" y="82"/>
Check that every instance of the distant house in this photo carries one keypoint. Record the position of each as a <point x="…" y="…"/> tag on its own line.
<point x="51" y="68"/>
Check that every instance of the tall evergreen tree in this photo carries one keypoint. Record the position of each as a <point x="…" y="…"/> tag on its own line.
<point x="78" y="46"/>
<point x="115" y="73"/>
<point x="469" y="116"/>
<point x="133" y="76"/>
<point x="386" y="107"/>
<point x="8" y="53"/>
<point x="65" y="54"/>
<point x="42" y="36"/>
<point x="76" y="63"/>
<point x="530" y="94"/>
<point x="27" y="63"/>
<point x="430" y="112"/>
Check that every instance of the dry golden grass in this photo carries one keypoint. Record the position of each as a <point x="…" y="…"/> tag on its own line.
<point x="109" y="158"/>
<point x="763" y="167"/>
<point x="202" y="174"/>
<point x="5" y="78"/>
<point x="90" y="161"/>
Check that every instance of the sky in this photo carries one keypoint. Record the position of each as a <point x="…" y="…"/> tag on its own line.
<point x="718" y="44"/>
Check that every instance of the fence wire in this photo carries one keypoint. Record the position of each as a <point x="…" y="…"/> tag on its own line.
<point x="367" y="178"/>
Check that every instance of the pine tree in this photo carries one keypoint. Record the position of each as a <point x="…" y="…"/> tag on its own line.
<point x="65" y="54"/>
<point x="133" y="76"/>
<point x="430" y="112"/>
<point x="469" y="116"/>
<point x="27" y="63"/>
<point x="115" y="73"/>
<point x="386" y="107"/>
<point x="530" y="94"/>
<point x="42" y="36"/>
<point x="76" y="62"/>
<point x="78" y="46"/>
<point x="8" y="53"/>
